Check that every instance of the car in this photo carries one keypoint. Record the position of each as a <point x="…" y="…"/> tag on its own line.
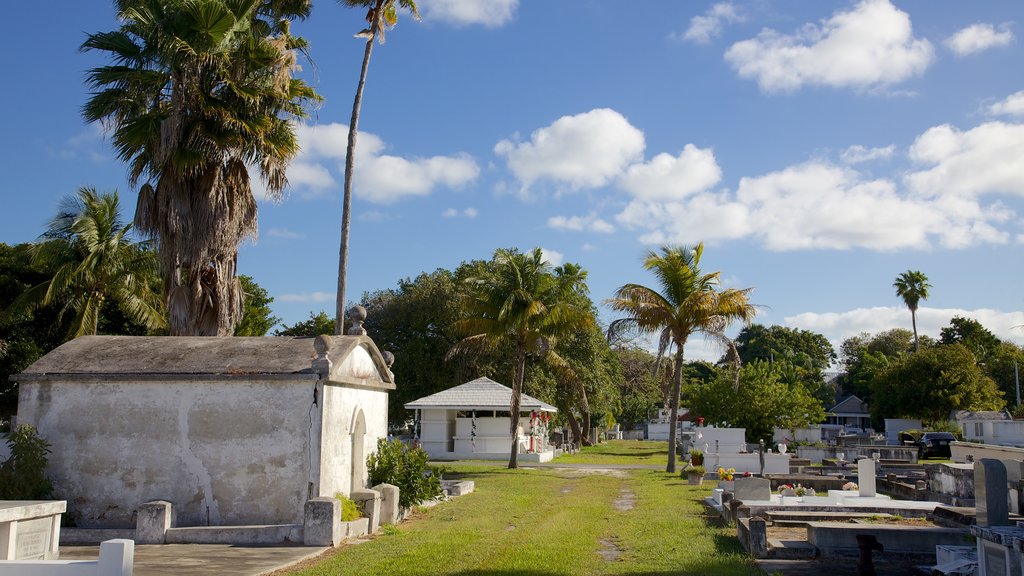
<point x="934" y="445"/>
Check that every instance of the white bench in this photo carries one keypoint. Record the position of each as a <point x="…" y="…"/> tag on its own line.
<point x="117" y="558"/>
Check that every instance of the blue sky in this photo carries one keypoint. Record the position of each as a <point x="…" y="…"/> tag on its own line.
<point x="817" y="148"/>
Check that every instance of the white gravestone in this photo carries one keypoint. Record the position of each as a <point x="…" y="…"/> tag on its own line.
<point x="866" y="477"/>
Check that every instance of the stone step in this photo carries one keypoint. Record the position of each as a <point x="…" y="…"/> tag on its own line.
<point x="791" y="550"/>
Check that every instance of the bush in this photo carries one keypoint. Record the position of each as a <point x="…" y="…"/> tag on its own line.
<point x="22" y="476"/>
<point x="397" y="464"/>
<point x="349" y="510"/>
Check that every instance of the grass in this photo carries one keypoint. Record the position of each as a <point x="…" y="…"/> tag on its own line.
<point x="621" y="452"/>
<point x="554" y="522"/>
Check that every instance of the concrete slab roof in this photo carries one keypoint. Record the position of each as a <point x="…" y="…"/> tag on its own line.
<point x="194" y="357"/>
<point x="479" y="394"/>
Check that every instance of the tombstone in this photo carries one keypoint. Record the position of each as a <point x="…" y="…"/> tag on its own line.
<point x="153" y="520"/>
<point x="990" y="493"/>
<point x="389" y="508"/>
<point x="368" y="502"/>
<point x="747" y="489"/>
<point x="866" y="477"/>
<point x="758" y="537"/>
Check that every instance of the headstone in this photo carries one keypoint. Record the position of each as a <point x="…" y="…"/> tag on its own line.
<point x="153" y="521"/>
<point x="866" y="477"/>
<point x="747" y="489"/>
<point x="990" y="493"/>
<point x="388" y="503"/>
<point x="321" y="525"/>
<point x="369" y="502"/>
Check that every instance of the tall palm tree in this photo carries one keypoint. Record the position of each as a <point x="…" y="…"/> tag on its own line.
<point x="912" y="286"/>
<point x="380" y="15"/>
<point x="689" y="302"/>
<point x="519" y="303"/>
<point x="199" y="92"/>
<point x="94" y="263"/>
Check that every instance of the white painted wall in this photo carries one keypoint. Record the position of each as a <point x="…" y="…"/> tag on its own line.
<point x="341" y="408"/>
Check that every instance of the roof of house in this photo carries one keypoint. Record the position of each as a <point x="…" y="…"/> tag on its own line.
<point x="963" y="415"/>
<point x="146" y="358"/>
<point x="479" y="394"/>
<point x="849" y="405"/>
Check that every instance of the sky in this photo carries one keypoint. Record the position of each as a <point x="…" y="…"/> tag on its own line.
<point x="818" y="149"/>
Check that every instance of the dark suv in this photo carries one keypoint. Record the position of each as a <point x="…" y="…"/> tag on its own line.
<point x="934" y="445"/>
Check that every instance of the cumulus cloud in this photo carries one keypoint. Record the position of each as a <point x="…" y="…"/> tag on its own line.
<point x="1012" y="106"/>
<point x="667" y="177"/>
<point x="307" y="297"/>
<point x="858" y="154"/>
<point x="978" y="38"/>
<point x="553" y="257"/>
<point x="709" y="25"/>
<point x="983" y="160"/>
<point x="587" y="150"/>
<point x="871" y="45"/>
<point x="380" y="177"/>
<point x="838" y="326"/>
<point x="589" y="222"/>
<point x="488" y="13"/>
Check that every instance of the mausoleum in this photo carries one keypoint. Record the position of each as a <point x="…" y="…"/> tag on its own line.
<point x="230" y="431"/>
<point x="472" y="421"/>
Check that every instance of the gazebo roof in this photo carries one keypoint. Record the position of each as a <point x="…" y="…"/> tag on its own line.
<point x="479" y="394"/>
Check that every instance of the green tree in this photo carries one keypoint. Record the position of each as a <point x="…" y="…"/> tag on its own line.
<point x="380" y="15"/>
<point x="912" y="286"/>
<point x="763" y="401"/>
<point x="92" y="263"/>
<point x="199" y="91"/>
<point x="689" y="302"/>
<point x="969" y="332"/>
<point x="521" y="304"/>
<point x="317" y="324"/>
<point x="257" y="318"/>
<point x="931" y="383"/>
<point x="805" y="355"/>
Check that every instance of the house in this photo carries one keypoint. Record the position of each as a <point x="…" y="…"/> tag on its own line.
<point x="472" y="421"/>
<point x="231" y="431"/>
<point x="989" y="427"/>
<point x="851" y="413"/>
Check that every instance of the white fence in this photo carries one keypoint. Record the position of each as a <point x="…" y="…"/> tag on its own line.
<point x="117" y="558"/>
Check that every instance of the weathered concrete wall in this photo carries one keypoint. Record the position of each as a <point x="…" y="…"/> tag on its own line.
<point x="224" y="453"/>
<point x="971" y="452"/>
<point x="343" y="408"/>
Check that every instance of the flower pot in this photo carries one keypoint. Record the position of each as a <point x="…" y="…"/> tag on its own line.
<point x="695" y="479"/>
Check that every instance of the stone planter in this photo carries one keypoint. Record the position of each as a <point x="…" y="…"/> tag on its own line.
<point x="695" y="479"/>
<point x="355" y="528"/>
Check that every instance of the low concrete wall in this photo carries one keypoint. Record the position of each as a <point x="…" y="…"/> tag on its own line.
<point x="967" y="452"/>
<point x="841" y="538"/>
<point x="850" y="453"/>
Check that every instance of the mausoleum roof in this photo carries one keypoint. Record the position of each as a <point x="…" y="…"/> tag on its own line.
<point x="145" y="358"/>
<point x="480" y="394"/>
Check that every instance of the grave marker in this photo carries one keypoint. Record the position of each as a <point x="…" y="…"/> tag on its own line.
<point x="866" y="477"/>
<point x="752" y="488"/>
<point x="991" y="492"/>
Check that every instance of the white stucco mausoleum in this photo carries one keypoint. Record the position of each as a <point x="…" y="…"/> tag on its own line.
<point x="230" y="431"/>
<point x="471" y="421"/>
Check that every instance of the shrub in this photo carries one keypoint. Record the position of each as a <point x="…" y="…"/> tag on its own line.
<point x="397" y="464"/>
<point x="349" y="510"/>
<point x="694" y="470"/>
<point x="22" y="476"/>
<point x="696" y="457"/>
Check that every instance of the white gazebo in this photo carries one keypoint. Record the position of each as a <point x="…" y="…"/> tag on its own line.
<point x="471" y="421"/>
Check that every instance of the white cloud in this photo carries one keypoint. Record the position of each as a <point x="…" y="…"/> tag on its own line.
<point x="858" y="154"/>
<point x="489" y="13"/>
<point x="87" y="144"/>
<point x="551" y="256"/>
<point x="979" y="37"/>
<point x="580" y="223"/>
<point x="871" y="45"/>
<point x="582" y="151"/>
<point x="983" y="160"/>
<point x="470" y="212"/>
<point x="455" y="213"/>
<point x="379" y="177"/>
<point x="307" y="297"/>
<point x="838" y="326"/>
<point x="1012" y="106"/>
<point x="709" y="25"/>
<point x="285" y="234"/>
<point x="667" y="178"/>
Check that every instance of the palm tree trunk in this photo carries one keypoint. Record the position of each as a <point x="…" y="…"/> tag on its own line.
<point x="346" y="209"/>
<point x="913" y="322"/>
<point x="513" y="409"/>
<point x="677" y="382"/>
<point x="585" y="416"/>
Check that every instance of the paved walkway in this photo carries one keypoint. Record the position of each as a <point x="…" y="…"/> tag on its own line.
<point x="204" y="559"/>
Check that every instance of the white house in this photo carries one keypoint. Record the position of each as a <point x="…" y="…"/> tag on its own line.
<point x="231" y="431"/>
<point x="472" y="421"/>
<point x="990" y="427"/>
<point x="851" y="413"/>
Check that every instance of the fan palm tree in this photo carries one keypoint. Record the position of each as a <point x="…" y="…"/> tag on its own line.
<point x="380" y="15"/>
<point x="94" y="264"/>
<point x="912" y="286"/>
<point x="689" y="302"/>
<point x="199" y="92"/>
<point x="519" y="303"/>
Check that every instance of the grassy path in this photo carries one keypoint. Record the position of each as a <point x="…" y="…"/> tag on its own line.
<point x="548" y="522"/>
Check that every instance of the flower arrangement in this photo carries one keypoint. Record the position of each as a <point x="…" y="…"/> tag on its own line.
<point x="795" y="490"/>
<point x="726" y="474"/>
<point x="747" y="474"/>
<point x="850" y="486"/>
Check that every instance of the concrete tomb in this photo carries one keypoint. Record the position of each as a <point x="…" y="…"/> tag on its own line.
<point x="30" y="529"/>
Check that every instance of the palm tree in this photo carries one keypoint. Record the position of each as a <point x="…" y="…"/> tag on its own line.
<point x="519" y="303"/>
<point x="199" y="92"/>
<point x="94" y="263"/>
<point x="380" y="15"/>
<point x="912" y="286"/>
<point x="689" y="302"/>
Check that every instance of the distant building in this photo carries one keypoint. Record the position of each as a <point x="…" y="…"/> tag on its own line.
<point x="989" y="427"/>
<point x="851" y="413"/>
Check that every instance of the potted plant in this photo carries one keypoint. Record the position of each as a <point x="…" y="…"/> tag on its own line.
<point x="695" y="475"/>
<point x="725" y="478"/>
<point x="696" y="457"/>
